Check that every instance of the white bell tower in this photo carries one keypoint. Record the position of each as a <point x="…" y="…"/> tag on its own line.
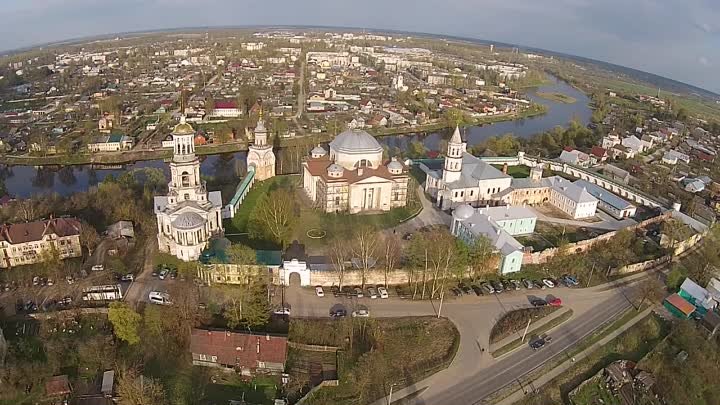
<point x="453" y="158"/>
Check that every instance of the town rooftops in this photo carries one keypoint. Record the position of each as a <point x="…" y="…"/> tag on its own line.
<point x="228" y="104"/>
<point x="239" y="349"/>
<point x="578" y="194"/>
<point x="507" y="212"/>
<point x="680" y="304"/>
<point x="36" y="230"/>
<point x="694" y="292"/>
<point x="57" y="385"/>
<point x="604" y="195"/>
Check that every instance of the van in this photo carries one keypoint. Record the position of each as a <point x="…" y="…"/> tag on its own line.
<point x="159" y="298"/>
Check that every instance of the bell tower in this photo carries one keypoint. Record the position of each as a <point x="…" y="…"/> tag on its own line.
<point x="453" y="159"/>
<point x="261" y="157"/>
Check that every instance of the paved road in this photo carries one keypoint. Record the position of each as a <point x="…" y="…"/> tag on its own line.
<point x="473" y="374"/>
<point x="606" y="221"/>
<point x="428" y="216"/>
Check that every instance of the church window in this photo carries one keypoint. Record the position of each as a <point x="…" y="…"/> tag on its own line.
<point x="472" y="192"/>
<point x="363" y="163"/>
<point x="187" y="196"/>
<point x="337" y="200"/>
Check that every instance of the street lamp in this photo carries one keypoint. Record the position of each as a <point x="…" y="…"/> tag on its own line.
<point x="389" y="401"/>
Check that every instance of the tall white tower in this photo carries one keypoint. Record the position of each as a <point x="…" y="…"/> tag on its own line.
<point x="453" y="158"/>
<point x="185" y="181"/>
<point x="260" y="154"/>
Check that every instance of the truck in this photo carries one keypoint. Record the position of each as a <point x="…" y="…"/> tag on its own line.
<point x="111" y="292"/>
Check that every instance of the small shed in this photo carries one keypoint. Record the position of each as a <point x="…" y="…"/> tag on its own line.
<point x="58" y="385"/>
<point x="678" y="306"/>
<point x="108" y="381"/>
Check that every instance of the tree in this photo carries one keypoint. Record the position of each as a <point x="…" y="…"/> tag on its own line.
<point x="135" y="389"/>
<point x="241" y="254"/>
<point x="391" y="253"/>
<point x="338" y="252"/>
<point x="89" y="237"/>
<point x="365" y="250"/>
<point x="246" y="306"/>
<point x="443" y="255"/>
<point x="651" y="290"/>
<point x="125" y="321"/>
<point x="273" y="216"/>
<point x="484" y="258"/>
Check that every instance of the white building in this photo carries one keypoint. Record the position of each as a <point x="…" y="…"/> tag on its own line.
<point x="260" y="153"/>
<point x="572" y="199"/>
<point x="607" y="201"/>
<point x="111" y="143"/>
<point x="188" y="216"/>
<point x="575" y="157"/>
<point x="353" y="177"/>
<point x="498" y="225"/>
<point x="464" y="178"/>
<point x="25" y="243"/>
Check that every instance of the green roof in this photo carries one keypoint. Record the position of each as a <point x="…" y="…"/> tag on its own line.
<point x="268" y="257"/>
<point x="115" y="138"/>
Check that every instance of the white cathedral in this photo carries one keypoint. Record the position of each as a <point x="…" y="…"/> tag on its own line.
<point x="188" y="216"/>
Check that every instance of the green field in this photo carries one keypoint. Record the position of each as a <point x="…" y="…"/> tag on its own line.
<point x="558" y="97"/>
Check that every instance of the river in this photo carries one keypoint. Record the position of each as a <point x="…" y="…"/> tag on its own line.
<point x="25" y="181"/>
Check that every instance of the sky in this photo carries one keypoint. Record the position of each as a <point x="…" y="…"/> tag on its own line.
<point x="679" y="39"/>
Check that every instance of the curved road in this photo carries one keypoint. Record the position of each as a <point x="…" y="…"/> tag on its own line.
<point x="473" y="374"/>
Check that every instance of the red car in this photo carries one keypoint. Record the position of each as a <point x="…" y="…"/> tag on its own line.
<point x="556" y="302"/>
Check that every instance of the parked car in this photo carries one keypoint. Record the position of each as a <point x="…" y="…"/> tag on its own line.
<point x="347" y="291"/>
<point x="361" y="313"/>
<point x="548" y="282"/>
<point x="569" y="280"/>
<point x="516" y="284"/>
<point x="372" y="293"/>
<point x="538" y="302"/>
<point x="555" y="302"/>
<point x="358" y="292"/>
<point x="478" y="291"/>
<point x="65" y="301"/>
<point x="464" y="288"/>
<point x="70" y="280"/>
<point x="36" y="280"/>
<point x="456" y="292"/>
<point x="282" y="311"/>
<point x="488" y="288"/>
<point x="97" y="267"/>
<point x="159" y="298"/>
<point x="497" y="286"/>
<point x="338" y="313"/>
<point x="335" y="290"/>
<point x="319" y="291"/>
<point x="50" y="282"/>
<point x="401" y="293"/>
<point x="127" y="277"/>
<point x="539" y="284"/>
<point x="383" y="292"/>
<point x="527" y="283"/>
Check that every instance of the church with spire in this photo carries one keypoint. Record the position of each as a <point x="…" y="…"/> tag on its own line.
<point x="261" y="157"/>
<point x="464" y="178"/>
<point x="189" y="216"/>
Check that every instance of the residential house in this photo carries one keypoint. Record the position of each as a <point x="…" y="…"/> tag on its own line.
<point x="111" y="143"/>
<point x="620" y="151"/>
<point x="692" y="185"/>
<point x="616" y="173"/>
<point x="226" y="109"/>
<point x="610" y="140"/>
<point x="246" y="353"/>
<point x="698" y="296"/>
<point x="607" y="201"/>
<point x="499" y="225"/>
<point x="672" y="157"/>
<point x="598" y="155"/>
<point x="25" y="243"/>
<point x="635" y="144"/>
<point x="575" y="157"/>
<point x="572" y="199"/>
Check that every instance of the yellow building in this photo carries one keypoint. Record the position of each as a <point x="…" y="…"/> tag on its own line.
<point x="25" y="243"/>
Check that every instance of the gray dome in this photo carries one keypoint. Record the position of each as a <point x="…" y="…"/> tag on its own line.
<point x="188" y="220"/>
<point x="335" y="169"/>
<point x="463" y="212"/>
<point x="318" y="151"/>
<point x="355" y="141"/>
<point x="395" y="165"/>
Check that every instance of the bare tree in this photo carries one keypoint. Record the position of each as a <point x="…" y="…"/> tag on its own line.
<point x="135" y="389"/>
<point x="338" y="253"/>
<point x="365" y="250"/>
<point x="391" y="254"/>
<point x="651" y="290"/>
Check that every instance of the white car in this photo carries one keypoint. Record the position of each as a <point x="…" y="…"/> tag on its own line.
<point x="70" y="280"/>
<point x="361" y="313"/>
<point x="282" y="311"/>
<point x="372" y="292"/>
<point x="382" y="291"/>
<point x="163" y="274"/>
<point x="97" y="267"/>
<point x="159" y="298"/>
<point x="319" y="291"/>
<point x="548" y="283"/>
<point x="50" y="282"/>
<point x="127" y="277"/>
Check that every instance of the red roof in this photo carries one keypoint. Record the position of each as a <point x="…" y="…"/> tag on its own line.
<point x="569" y="149"/>
<point x="34" y="231"/>
<point x="58" y="385"/>
<point x="318" y="167"/>
<point x="230" y="104"/>
<point x="598" y="151"/>
<point x="680" y="303"/>
<point x="239" y="349"/>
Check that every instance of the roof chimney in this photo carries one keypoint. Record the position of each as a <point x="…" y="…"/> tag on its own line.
<point x="258" y="345"/>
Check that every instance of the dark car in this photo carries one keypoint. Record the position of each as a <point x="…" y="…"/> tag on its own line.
<point x="335" y="290"/>
<point x="456" y="291"/>
<point x="539" y="284"/>
<point x="488" y="288"/>
<point x="537" y="343"/>
<point x="478" y="291"/>
<point x="464" y="288"/>
<point x="538" y="302"/>
<point x="497" y="286"/>
<point x="347" y="291"/>
<point x="338" y="313"/>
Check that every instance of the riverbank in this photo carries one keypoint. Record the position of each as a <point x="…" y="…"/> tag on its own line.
<point x="124" y="157"/>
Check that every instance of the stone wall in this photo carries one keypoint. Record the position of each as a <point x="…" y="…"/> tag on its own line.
<point x="642" y="266"/>
<point x="354" y="277"/>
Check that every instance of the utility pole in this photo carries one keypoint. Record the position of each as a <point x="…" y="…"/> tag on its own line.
<point x="591" y="274"/>
<point x="526" y="330"/>
<point x="389" y="400"/>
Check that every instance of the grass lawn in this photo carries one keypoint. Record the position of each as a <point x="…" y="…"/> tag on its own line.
<point x="558" y="97"/>
<point x="517" y="172"/>
<point x="515" y="321"/>
<point x="260" y="390"/>
<point x="595" y="392"/>
<point x="633" y="345"/>
<point x="377" y="353"/>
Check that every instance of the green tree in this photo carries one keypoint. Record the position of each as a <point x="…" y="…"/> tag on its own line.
<point x="125" y="321"/>
<point x="241" y="254"/>
<point x="273" y="217"/>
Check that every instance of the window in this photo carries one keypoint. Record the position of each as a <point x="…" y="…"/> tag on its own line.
<point x="202" y="357"/>
<point x="472" y="192"/>
<point x="187" y="196"/>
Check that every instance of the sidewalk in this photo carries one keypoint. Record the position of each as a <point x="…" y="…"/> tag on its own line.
<point x="552" y="374"/>
<point x="533" y="326"/>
